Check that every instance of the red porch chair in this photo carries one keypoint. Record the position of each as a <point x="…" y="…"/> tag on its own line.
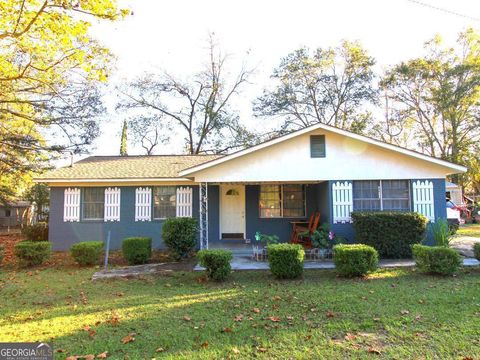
<point x="298" y="229"/>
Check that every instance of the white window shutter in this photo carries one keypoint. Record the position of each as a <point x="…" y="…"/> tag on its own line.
<point x="71" y="204"/>
<point x="184" y="202"/>
<point x="342" y="202"/>
<point x="143" y="204"/>
<point x="423" y="200"/>
<point x="112" y="204"/>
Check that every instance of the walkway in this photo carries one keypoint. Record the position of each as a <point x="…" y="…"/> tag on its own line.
<point x="241" y="263"/>
<point x="246" y="263"/>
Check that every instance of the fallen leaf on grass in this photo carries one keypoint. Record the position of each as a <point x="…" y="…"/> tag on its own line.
<point x="256" y="310"/>
<point x="60" y="350"/>
<point x="92" y="333"/>
<point x="276" y="298"/>
<point x="187" y="318"/>
<point x="262" y="349"/>
<point x="376" y="319"/>
<point x="205" y="344"/>
<point x="235" y="350"/>
<point x="405" y="312"/>
<point x="350" y="337"/>
<point x="226" y="330"/>
<point x="103" y="355"/>
<point x="86" y="328"/>
<point x="238" y="318"/>
<point x="373" y="350"/>
<point x="129" y="338"/>
<point x="160" y="349"/>
<point x="120" y="294"/>
<point x="114" y="320"/>
<point x="274" y="318"/>
<point x="330" y="314"/>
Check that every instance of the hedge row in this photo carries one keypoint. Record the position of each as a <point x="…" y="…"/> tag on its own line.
<point x="392" y="234"/>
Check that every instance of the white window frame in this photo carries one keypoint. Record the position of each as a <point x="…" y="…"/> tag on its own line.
<point x="281" y="203"/>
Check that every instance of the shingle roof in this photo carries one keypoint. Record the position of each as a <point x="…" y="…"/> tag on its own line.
<point x="127" y="167"/>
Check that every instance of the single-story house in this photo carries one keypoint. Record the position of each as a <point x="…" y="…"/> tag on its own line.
<point x="15" y="214"/>
<point x="262" y="188"/>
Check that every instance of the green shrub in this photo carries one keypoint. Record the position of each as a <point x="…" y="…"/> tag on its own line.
<point x="441" y="232"/>
<point x="180" y="235"/>
<point x="2" y="253"/>
<point x="137" y="250"/>
<point x="355" y="259"/>
<point x="33" y="252"/>
<point x="87" y="252"/>
<point x="391" y="233"/>
<point x="286" y="260"/>
<point x="36" y="232"/>
<point x="216" y="262"/>
<point x="476" y="251"/>
<point x="436" y="259"/>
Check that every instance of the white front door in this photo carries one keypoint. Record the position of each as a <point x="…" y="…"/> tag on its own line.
<point x="232" y="211"/>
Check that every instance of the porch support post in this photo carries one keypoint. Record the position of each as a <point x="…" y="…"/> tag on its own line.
<point x="203" y="191"/>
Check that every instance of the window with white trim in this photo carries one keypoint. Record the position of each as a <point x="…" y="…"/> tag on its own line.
<point x="93" y="203"/>
<point x="282" y="201"/>
<point x="381" y="195"/>
<point x="164" y="202"/>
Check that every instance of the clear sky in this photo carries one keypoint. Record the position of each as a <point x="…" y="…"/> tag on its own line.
<point x="172" y="35"/>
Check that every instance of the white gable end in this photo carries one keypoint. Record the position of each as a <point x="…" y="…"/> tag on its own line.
<point x="346" y="159"/>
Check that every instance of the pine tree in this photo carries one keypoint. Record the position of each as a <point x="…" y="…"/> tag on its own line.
<point x="123" y="141"/>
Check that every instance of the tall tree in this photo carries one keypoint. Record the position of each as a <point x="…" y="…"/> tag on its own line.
<point x="437" y="98"/>
<point x="123" y="140"/>
<point x="330" y="86"/>
<point x="197" y="109"/>
<point x="50" y="70"/>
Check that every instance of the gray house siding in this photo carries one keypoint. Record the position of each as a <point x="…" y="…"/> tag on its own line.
<point x="64" y="234"/>
<point x="275" y="226"/>
<point x="318" y="198"/>
<point x="347" y="231"/>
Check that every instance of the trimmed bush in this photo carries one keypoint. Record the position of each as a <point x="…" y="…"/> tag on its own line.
<point x="216" y="262"/>
<point x="286" y="260"/>
<point x="436" y="259"/>
<point x="180" y="235"/>
<point x="36" y="232"/>
<point x="2" y="253"/>
<point x="392" y="234"/>
<point x="87" y="252"/>
<point x="137" y="250"/>
<point x="355" y="259"/>
<point x="32" y="253"/>
<point x="476" y="251"/>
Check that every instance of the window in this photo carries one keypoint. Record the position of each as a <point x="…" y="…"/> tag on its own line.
<point x="317" y="146"/>
<point x="366" y="196"/>
<point x="293" y="201"/>
<point x="232" y="192"/>
<point x="93" y="203"/>
<point x="8" y="212"/>
<point x="395" y="195"/>
<point x="385" y="195"/>
<point x="282" y="201"/>
<point x="270" y="201"/>
<point x="164" y="202"/>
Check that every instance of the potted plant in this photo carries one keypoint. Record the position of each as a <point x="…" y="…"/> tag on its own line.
<point x="323" y="239"/>
<point x="260" y="250"/>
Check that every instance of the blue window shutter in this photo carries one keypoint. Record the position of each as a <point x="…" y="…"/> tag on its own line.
<point x="317" y="146"/>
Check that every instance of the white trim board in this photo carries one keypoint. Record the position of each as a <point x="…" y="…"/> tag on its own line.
<point x="209" y="164"/>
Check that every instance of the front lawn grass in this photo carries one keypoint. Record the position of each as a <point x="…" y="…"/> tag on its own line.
<point x="469" y="230"/>
<point x="392" y="313"/>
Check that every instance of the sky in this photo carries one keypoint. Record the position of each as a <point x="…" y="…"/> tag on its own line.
<point x="172" y="35"/>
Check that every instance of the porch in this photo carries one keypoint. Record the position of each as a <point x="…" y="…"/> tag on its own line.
<point x="231" y="214"/>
